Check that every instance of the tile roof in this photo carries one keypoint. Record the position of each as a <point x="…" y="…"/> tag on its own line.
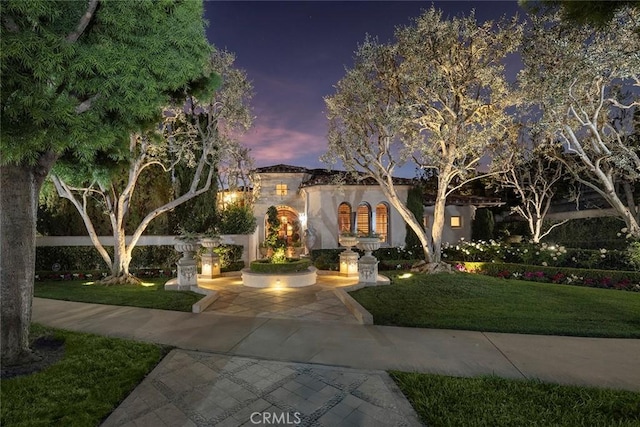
<point x="333" y="177"/>
<point x="321" y="176"/>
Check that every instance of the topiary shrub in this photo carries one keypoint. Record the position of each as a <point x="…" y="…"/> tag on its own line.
<point x="291" y="266"/>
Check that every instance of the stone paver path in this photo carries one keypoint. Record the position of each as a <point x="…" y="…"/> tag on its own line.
<point x="317" y="302"/>
<point x="201" y="389"/>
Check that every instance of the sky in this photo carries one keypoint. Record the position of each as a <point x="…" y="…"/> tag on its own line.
<point x="294" y="53"/>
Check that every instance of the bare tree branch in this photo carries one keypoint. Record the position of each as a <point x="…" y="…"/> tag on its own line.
<point x="84" y="21"/>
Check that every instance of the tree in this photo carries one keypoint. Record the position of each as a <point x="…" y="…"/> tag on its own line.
<point x="193" y="136"/>
<point x="533" y="177"/>
<point x="596" y="12"/>
<point x="77" y="76"/>
<point x="580" y="81"/>
<point x="437" y="97"/>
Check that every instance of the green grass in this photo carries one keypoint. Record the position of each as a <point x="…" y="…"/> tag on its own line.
<point x="94" y="376"/>
<point x="153" y="296"/>
<point x="492" y="401"/>
<point x="482" y="303"/>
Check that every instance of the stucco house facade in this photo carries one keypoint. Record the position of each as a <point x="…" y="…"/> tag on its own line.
<point x="316" y="205"/>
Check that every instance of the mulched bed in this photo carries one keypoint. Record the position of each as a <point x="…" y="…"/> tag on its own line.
<point x="46" y="351"/>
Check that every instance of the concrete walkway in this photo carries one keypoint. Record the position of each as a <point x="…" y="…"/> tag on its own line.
<point x="596" y="362"/>
<point x="233" y="370"/>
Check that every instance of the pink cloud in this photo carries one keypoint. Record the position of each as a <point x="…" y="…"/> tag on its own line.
<point x="279" y="144"/>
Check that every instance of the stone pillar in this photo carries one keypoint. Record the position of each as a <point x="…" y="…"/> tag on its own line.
<point x="349" y="263"/>
<point x="368" y="264"/>
<point x="210" y="259"/>
<point x="368" y="269"/>
<point x="210" y="265"/>
<point x="187" y="274"/>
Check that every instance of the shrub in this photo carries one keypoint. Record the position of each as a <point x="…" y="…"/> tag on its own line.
<point x="229" y="254"/>
<point x="88" y="258"/>
<point x="611" y="279"/>
<point x="483" y="225"/>
<point x="589" y="233"/>
<point x="633" y="253"/>
<point x="237" y="219"/>
<point x="292" y="266"/>
<point x="537" y="254"/>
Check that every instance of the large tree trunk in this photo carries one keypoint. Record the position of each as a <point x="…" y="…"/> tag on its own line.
<point x="19" y="190"/>
<point x="438" y="222"/>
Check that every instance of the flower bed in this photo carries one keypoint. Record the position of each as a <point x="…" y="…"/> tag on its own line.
<point x="608" y="279"/>
<point x="538" y="254"/>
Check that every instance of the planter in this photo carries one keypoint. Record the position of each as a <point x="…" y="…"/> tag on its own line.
<point x="369" y="244"/>
<point x="209" y="243"/>
<point x="294" y="251"/>
<point x="348" y="241"/>
<point x="187" y="249"/>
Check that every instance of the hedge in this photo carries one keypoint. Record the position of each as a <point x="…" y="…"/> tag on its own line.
<point x="84" y="258"/>
<point x="291" y="266"/>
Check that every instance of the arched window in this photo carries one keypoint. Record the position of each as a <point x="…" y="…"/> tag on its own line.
<point x="363" y="218"/>
<point x="382" y="221"/>
<point x="344" y="217"/>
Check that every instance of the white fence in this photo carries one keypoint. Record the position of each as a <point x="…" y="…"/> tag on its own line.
<point x="248" y="241"/>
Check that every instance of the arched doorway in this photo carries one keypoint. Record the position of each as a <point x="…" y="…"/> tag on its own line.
<point x="290" y="226"/>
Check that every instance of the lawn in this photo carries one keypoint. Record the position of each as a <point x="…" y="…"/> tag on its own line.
<point x="151" y="295"/>
<point x="483" y="303"/>
<point x="94" y="376"/>
<point x="492" y="401"/>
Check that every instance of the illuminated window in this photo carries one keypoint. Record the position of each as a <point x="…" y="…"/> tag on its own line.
<point x="363" y="218"/>
<point x="344" y="217"/>
<point x="456" y="222"/>
<point x="382" y="221"/>
<point x="281" y="189"/>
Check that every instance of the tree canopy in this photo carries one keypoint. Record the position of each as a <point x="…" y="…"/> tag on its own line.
<point x="437" y="97"/>
<point x="79" y="75"/>
<point x="584" y="83"/>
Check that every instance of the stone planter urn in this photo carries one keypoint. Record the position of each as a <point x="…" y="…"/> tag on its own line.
<point x="187" y="248"/>
<point x="368" y="244"/>
<point x="348" y="241"/>
<point x="209" y="243"/>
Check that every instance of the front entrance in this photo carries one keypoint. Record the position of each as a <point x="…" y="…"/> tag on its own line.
<point x="290" y="226"/>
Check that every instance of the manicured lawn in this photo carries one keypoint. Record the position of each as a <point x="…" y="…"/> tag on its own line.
<point x="152" y="295"/>
<point x="483" y="303"/>
<point x="94" y="376"/>
<point x="492" y="401"/>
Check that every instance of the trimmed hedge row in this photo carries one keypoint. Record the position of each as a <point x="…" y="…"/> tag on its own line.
<point x="609" y="279"/>
<point x="85" y="258"/>
<point x="291" y="266"/>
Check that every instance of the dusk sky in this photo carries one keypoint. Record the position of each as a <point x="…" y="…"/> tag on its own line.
<point x="295" y="52"/>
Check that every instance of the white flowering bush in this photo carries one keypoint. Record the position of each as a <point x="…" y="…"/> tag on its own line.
<point x="544" y="254"/>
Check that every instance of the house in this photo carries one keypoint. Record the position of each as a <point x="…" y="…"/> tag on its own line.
<point x="316" y="205"/>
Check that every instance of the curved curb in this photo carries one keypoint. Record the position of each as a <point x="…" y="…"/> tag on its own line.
<point x="358" y="311"/>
